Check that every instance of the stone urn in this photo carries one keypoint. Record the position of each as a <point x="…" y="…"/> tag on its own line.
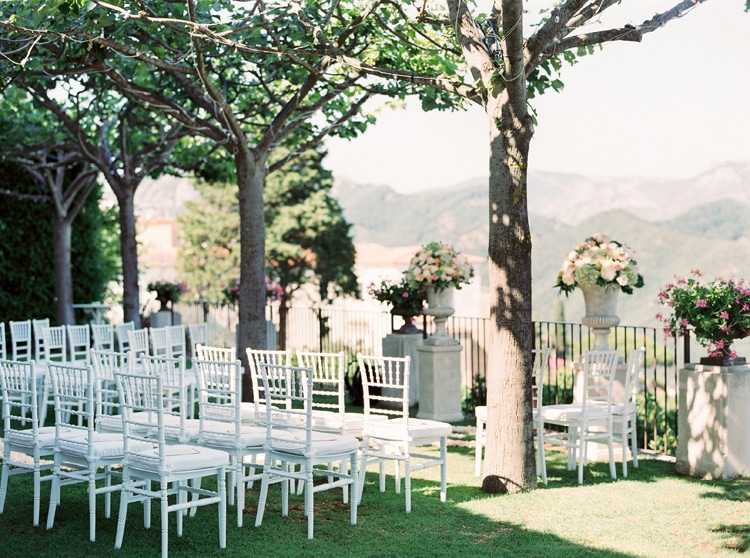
<point x="601" y="313"/>
<point x="440" y="307"/>
<point x="408" y="316"/>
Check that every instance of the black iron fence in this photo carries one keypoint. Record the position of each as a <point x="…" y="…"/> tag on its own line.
<point x="332" y="329"/>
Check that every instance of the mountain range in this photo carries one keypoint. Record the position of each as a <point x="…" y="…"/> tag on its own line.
<point x="673" y="226"/>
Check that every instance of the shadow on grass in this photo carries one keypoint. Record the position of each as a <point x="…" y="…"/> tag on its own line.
<point x="462" y="526"/>
<point x="736" y="537"/>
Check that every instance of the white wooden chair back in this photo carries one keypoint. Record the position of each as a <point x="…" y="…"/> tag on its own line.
<point x="56" y="343"/>
<point x="79" y="337"/>
<point x="20" y="340"/>
<point x="138" y="341"/>
<point x="103" y="337"/>
<point x="159" y="341"/>
<point x="123" y="343"/>
<point x="176" y="341"/>
<point x="37" y="327"/>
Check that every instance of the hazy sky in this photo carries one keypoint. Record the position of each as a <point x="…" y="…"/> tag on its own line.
<point x="672" y="106"/>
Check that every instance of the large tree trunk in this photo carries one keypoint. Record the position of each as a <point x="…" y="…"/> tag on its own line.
<point x="63" y="231"/>
<point x="129" y="255"/>
<point x="510" y="436"/>
<point x="251" y="176"/>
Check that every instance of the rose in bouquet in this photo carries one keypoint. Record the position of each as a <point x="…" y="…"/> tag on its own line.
<point x="440" y="265"/>
<point x="601" y="261"/>
<point x="717" y="311"/>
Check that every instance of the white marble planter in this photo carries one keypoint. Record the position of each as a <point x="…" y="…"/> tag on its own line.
<point x="601" y="313"/>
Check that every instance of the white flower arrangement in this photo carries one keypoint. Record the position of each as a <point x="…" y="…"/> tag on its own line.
<point x="601" y="261"/>
<point x="440" y="265"/>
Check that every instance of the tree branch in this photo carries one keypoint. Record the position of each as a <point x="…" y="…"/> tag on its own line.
<point x="554" y="36"/>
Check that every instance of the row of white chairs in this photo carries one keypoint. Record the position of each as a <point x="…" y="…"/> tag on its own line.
<point x="595" y="417"/>
<point x="29" y="339"/>
<point x="287" y="427"/>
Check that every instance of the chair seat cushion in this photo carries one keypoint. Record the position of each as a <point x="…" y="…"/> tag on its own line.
<point x="113" y="423"/>
<point x="223" y="435"/>
<point x="393" y="429"/>
<point x="104" y="445"/>
<point x="46" y="437"/>
<point x="172" y="429"/>
<point x="179" y="458"/>
<point x="323" y="444"/>
<point x="332" y="421"/>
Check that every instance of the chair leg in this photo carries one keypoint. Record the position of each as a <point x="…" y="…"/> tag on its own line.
<point x="107" y="492"/>
<point x="4" y="480"/>
<point x="165" y="520"/>
<point x="407" y="481"/>
<point x="342" y="469"/>
<point x="222" y="490"/>
<point x="286" y="487"/>
<point x="54" y="498"/>
<point x="239" y="486"/>
<point x="610" y="444"/>
<point x="361" y="472"/>
<point x="122" y="517"/>
<point x="479" y="447"/>
<point x="581" y="441"/>
<point x="443" y="468"/>
<point x="235" y="475"/>
<point x="262" y="500"/>
<point x="92" y="505"/>
<point x="353" y="501"/>
<point x="541" y="458"/>
<point x="37" y="491"/>
<point x="309" y="512"/>
<point x="624" y="442"/>
<point x="634" y="440"/>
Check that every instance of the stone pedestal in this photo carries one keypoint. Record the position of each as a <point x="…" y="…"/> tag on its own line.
<point x="440" y="382"/>
<point x="163" y="318"/>
<point x="401" y="345"/>
<point x="713" y="440"/>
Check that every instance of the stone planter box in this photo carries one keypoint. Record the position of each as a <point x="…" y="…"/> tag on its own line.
<point x="713" y="437"/>
<point x="164" y="318"/>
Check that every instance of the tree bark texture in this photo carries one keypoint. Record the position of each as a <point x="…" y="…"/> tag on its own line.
<point x="129" y="255"/>
<point x="63" y="232"/>
<point x="251" y="177"/>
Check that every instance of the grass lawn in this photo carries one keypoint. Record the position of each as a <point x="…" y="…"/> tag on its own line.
<point x="653" y="513"/>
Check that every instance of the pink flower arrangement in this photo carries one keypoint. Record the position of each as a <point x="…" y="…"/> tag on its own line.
<point x="274" y="291"/>
<point x="168" y="291"/>
<point x="717" y="312"/>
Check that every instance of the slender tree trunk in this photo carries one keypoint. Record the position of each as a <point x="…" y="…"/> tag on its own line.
<point x="129" y="255"/>
<point x="283" y="316"/>
<point x="63" y="229"/>
<point x="251" y="175"/>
